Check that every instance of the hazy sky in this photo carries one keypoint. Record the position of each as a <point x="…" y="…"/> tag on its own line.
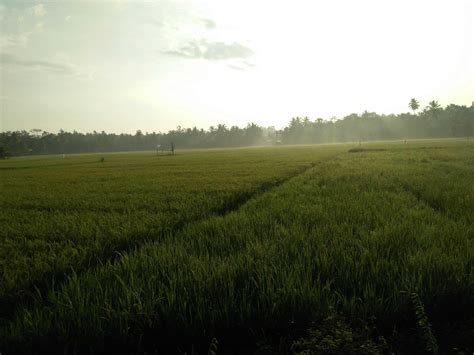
<point x="120" y="66"/>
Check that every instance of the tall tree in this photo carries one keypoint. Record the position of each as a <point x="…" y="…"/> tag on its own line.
<point x="434" y="108"/>
<point x="414" y="105"/>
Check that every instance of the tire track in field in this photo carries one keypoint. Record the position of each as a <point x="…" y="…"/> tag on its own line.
<point x="420" y="198"/>
<point x="37" y="291"/>
<point x="241" y="199"/>
<point x="434" y="205"/>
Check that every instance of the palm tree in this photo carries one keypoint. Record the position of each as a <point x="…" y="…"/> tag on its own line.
<point x="414" y="105"/>
<point x="221" y="128"/>
<point x="434" y="108"/>
<point x="434" y="105"/>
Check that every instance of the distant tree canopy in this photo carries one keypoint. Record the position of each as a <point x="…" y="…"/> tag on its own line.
<point x="4" y="152"/>
<point x="432" y="122"/>
<point x="42" y="142"/>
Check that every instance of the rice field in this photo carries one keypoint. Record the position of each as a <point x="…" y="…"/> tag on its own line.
<point x="294" y="249"/>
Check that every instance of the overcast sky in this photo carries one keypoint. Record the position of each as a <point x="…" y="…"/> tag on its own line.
<point x="122" y="65"/>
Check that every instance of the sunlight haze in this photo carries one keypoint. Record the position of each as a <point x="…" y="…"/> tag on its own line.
<point x="120" y="66"/>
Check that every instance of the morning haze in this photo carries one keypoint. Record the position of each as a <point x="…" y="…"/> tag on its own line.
<point x="120" y="66"/>
<point x="236" y="177"/>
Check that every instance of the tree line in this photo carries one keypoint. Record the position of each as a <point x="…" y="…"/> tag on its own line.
<point x="433" y="121"/>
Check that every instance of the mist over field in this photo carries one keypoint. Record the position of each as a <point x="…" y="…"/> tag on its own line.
<point x="433" y="122"/>
<point x="236" y="177"/>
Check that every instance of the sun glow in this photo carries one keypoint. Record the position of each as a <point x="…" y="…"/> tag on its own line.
<point x="156" y="65"/>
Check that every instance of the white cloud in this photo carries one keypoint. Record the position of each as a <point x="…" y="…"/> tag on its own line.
<point x="67" y="18"/>
<point x="208" y="23"/>
<point x="60" y="68"/>
<point x="19" y="40"/>
<point x="235" y="67"/>
<point x="209" y="50"/>
<point x="61" y="65"/>
<point x="39" y="10"/>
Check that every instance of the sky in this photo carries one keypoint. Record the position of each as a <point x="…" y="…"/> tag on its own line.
<point x="119" y="66"/>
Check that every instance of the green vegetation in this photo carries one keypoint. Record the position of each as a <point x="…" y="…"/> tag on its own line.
<point x="4" y="152"/>
<point x="414" y="105"/>
<point x="291" y="249"/>
<point x="433" y="122"/>
<point x="59" y="214"/>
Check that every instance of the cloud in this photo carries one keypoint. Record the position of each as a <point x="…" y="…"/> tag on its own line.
<point x="39" y="10"/>
<point x="19" y="40"/>
<point x="235" y="67"/>
<point x="248" y="63"/>
<point x="67" y="18"/>
<point x="59" y="68"/>
<point x="202" y="48"/>
<point x="182" y="22"/>
<point x="210" y="24"/>
<point x="240" y="65"/>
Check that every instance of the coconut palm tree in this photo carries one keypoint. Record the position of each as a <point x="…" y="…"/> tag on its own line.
<point x="434" y="108"/>
<point x="414" y="105"/>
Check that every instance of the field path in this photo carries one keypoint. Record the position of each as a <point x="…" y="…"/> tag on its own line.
<point x="68" y="217"/>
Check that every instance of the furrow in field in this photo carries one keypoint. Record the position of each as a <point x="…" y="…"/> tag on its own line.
<point x="454" y="202"/>
<point x="128" y="231"/>
<point x="242" y="199"/>
<point x="342" y="237"/>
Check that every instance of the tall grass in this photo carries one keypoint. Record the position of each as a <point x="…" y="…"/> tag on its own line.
<point x="58" y="215"/>
<point x="348" y="237"/>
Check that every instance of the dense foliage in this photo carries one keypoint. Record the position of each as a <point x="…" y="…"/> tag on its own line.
<point x="40" y="142"/>
<point x="453" y="121"/>
<point x="432" y="122"/>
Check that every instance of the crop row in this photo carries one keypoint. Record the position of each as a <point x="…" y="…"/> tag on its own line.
<point x="350" y="237"/>
<point x="62" y="215"/>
